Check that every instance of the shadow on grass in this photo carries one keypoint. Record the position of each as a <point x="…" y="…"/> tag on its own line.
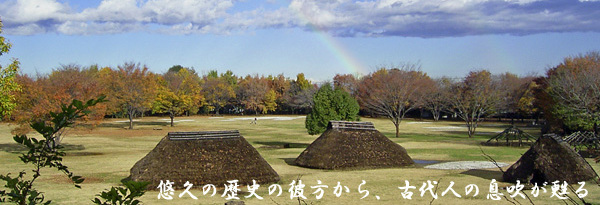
<point x="501" y="143"/>
<point x="17" y="148"/>
<point x="486" y="174"/>
<point x="282" y="145"/>
<point x="135" y="123"/>
<point x="290" y="161"/>
<point x="84" y="153"/>
<point x="457" y="137"/>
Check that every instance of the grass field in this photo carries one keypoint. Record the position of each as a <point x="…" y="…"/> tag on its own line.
<point x="105" y="154"/>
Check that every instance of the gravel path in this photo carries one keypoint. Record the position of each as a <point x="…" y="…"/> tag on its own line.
<point x="262" y="118"/>
<point x="466" y="165"/>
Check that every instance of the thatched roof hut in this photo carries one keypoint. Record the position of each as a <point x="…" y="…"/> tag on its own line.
<point x="511" y="136"/>
<point x="203" y="158"/>
<point x="550" y="159"/>
<point x="583" y="139"/>
<point x="353" y="145"/>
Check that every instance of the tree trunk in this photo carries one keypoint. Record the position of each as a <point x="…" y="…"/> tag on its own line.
<point x="171" y="116"/>
<point x="397" y="129"/>
<point x="470" y="127"/>
<point x="470" y="130"/>
<point x="130" y="121"/>
<point x="436" y="115"/>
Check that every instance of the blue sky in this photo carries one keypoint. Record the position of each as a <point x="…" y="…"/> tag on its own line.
<point x="319" y="38"/>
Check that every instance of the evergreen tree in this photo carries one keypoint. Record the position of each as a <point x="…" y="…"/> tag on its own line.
<point x="329" y="105"/>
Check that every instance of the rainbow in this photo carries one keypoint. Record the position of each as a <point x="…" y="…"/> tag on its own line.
<point x="341" y="53"/>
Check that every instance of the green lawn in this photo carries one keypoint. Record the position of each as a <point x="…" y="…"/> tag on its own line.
<point x="105" y="154"/>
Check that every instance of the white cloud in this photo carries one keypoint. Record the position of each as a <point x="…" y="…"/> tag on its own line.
<point x="421" y="18"/>
<point x="27" y="29"/>
<point x="94" y="28"/>
<point x="114" y="11"/>
<point x="177" y="11"/>
<point x="26" y="11"/>
<point x="438" y="18"/>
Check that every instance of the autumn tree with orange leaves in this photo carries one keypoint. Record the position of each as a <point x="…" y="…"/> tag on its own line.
<point x="251" y="93"/>
<point x="131" y="89"/>
<point x="46" y="93"/>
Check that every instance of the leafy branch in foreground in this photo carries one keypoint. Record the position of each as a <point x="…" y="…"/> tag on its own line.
<point x="122" y="195"/>
<point x="44" y="153"/>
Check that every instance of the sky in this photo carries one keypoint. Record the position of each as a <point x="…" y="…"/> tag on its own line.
<point x="320" y="38"/>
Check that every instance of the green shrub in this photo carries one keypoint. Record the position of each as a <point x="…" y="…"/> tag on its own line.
<point x="329" y="104"/>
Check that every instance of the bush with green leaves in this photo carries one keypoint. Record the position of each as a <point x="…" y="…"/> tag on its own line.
<point x="329" y="104"/>
<point x="122" y="195"/>
<point x="44" y="153"/>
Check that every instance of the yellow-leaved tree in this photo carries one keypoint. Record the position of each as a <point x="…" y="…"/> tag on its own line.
<point x="8" y="85"/>
<point x="270" y="101"/>
<point x="179" y="92"/>
<point x="218" y="91"/>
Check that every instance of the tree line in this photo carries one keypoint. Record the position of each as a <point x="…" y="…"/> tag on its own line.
<point x="567" y="97"/>
<point x="390" y="91"/>
<point x="132" y="91"/>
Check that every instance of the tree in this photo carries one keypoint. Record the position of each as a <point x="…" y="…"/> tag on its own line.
<point x="437" y="96"/>
<point x="178" y="92"/>
<point x="255" y="94"/>
<point x="527" y="104"/>
<point x="270" y="101"/>
<point x="574" y="86"/>
<point x="212" y="74"/>
<point x="167" y="101"/>
<point x="45" y="94"/>
<point x="474" y="97"/>
<point x="131" y="89"/>
<point x="230" y="78"/>
<point x="251" y="93"/>
<point x="8" y="84"/>
<point x="175" y="69"/>
<point x="70" y="82"/>
<point x="300" y="94"/>
<point x="186" y="82"/>
<point x="512" y="90"/>
<point x="299" y="101"/>
<point x="393" y="92"/>
<point x="346" y="82"/>
<point x="44" y="153"/>
<point x="31" y="103"/>
<point x="280" y="85"/>
<point x="217" y="93"/>
<point x="302" y="82"/>
<point x="330" y="105"/>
